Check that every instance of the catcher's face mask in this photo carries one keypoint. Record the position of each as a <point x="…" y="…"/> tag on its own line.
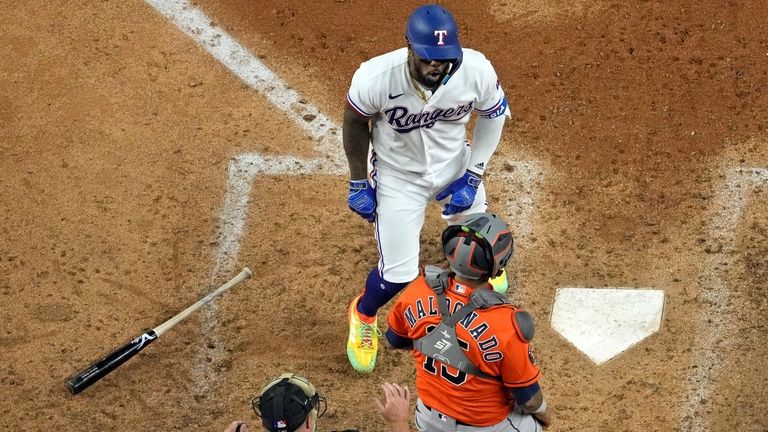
<point x="285" y="403"/>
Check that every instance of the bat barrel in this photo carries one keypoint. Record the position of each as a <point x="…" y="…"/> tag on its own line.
<point x="98" y="369"/>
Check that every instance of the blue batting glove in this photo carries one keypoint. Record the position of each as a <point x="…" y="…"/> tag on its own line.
<point x="362" y="199"/>
<point x="462" y="192"/>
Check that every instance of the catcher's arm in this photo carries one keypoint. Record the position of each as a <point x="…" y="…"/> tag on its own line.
<point x="538" y="408"/>
<point x="398" y="342"/>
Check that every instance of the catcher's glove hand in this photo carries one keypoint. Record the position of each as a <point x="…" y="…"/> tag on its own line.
<point x="462" y="192"/>
<point x="362" y="199"/>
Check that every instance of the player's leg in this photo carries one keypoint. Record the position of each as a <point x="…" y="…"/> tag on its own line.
<point x="402" y="206"/>
<point x="399" y="218"/>
<point x="518" y="422"/>
<point x="429" y="420"/>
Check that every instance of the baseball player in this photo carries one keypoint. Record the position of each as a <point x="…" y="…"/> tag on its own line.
<point x="404" y="137"/>
<point x="474" y="370"/>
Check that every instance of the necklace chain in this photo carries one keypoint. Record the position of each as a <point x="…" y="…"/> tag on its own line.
<point x="416" y="85"/>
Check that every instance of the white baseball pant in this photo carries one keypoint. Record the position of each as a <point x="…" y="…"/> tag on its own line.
<point x="402" y="200"/>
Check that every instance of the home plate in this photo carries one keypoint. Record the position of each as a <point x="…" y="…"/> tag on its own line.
<point x="604" y="322"/>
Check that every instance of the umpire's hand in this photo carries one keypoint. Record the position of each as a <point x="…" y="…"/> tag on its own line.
<point x="237" y="426"/>
<point x="396" y="408"/>
<point x="362" y="199"/>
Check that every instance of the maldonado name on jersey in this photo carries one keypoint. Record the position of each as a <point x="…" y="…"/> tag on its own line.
<point x="403" y="121"/>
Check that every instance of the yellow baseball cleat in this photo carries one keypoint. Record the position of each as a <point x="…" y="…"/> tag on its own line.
<point x="500" y="283"/>
<point x="363" y="341"/>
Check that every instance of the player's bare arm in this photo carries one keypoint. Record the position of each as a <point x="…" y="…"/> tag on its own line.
<point x="356" y="136"/>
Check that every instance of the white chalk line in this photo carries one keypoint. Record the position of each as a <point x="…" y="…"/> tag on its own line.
<point x="714" y="331"/>
<point x="244" y="169"/>
<point x="243" y="64"/>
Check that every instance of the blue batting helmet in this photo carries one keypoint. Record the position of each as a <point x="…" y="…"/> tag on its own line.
<point x="433" y="34"/>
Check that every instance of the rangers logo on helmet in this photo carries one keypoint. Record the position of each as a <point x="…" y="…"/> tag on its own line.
<point x="433" y="34"/>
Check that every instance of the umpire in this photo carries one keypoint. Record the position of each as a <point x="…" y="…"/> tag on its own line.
<point x="474" y="370"/>
<point x="290" y="403"/>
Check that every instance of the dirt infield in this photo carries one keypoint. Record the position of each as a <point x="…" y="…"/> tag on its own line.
<point x="638" y="127"/>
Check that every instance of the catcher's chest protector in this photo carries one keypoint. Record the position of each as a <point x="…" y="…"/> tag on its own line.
<point x="441" y="343"/>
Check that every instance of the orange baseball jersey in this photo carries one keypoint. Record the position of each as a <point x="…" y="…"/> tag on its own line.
<point x="490" y="340"/>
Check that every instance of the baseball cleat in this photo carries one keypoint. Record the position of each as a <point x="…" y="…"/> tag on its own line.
<point x="363" y="341"/>
<point x="500" y="283"/>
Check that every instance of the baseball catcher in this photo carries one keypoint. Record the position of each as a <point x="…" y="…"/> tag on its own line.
<point x="470" y="345"/>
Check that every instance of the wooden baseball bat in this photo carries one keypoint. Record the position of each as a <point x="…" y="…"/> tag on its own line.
<point x="100" y="368"/>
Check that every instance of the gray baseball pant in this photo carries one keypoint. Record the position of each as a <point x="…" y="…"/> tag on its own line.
<point x="431" y="420"/>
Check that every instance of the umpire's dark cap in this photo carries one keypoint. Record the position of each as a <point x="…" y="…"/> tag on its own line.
<point x="285" y="403"/>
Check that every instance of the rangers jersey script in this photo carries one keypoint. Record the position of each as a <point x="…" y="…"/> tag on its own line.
<point x="490" y="341"/>
<point x="420" y="136"/>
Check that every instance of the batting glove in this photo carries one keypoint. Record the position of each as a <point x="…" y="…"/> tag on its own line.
<point x="462" y="192"/>
<point x="362" y="199"/>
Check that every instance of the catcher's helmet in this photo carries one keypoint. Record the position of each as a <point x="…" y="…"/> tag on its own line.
<point x="285" y="403"/>
<point x="479" y="247"/>
<point x="433" y="34"/>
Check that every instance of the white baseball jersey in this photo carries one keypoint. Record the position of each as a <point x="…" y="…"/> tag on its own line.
<point x="410" y="135"/>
